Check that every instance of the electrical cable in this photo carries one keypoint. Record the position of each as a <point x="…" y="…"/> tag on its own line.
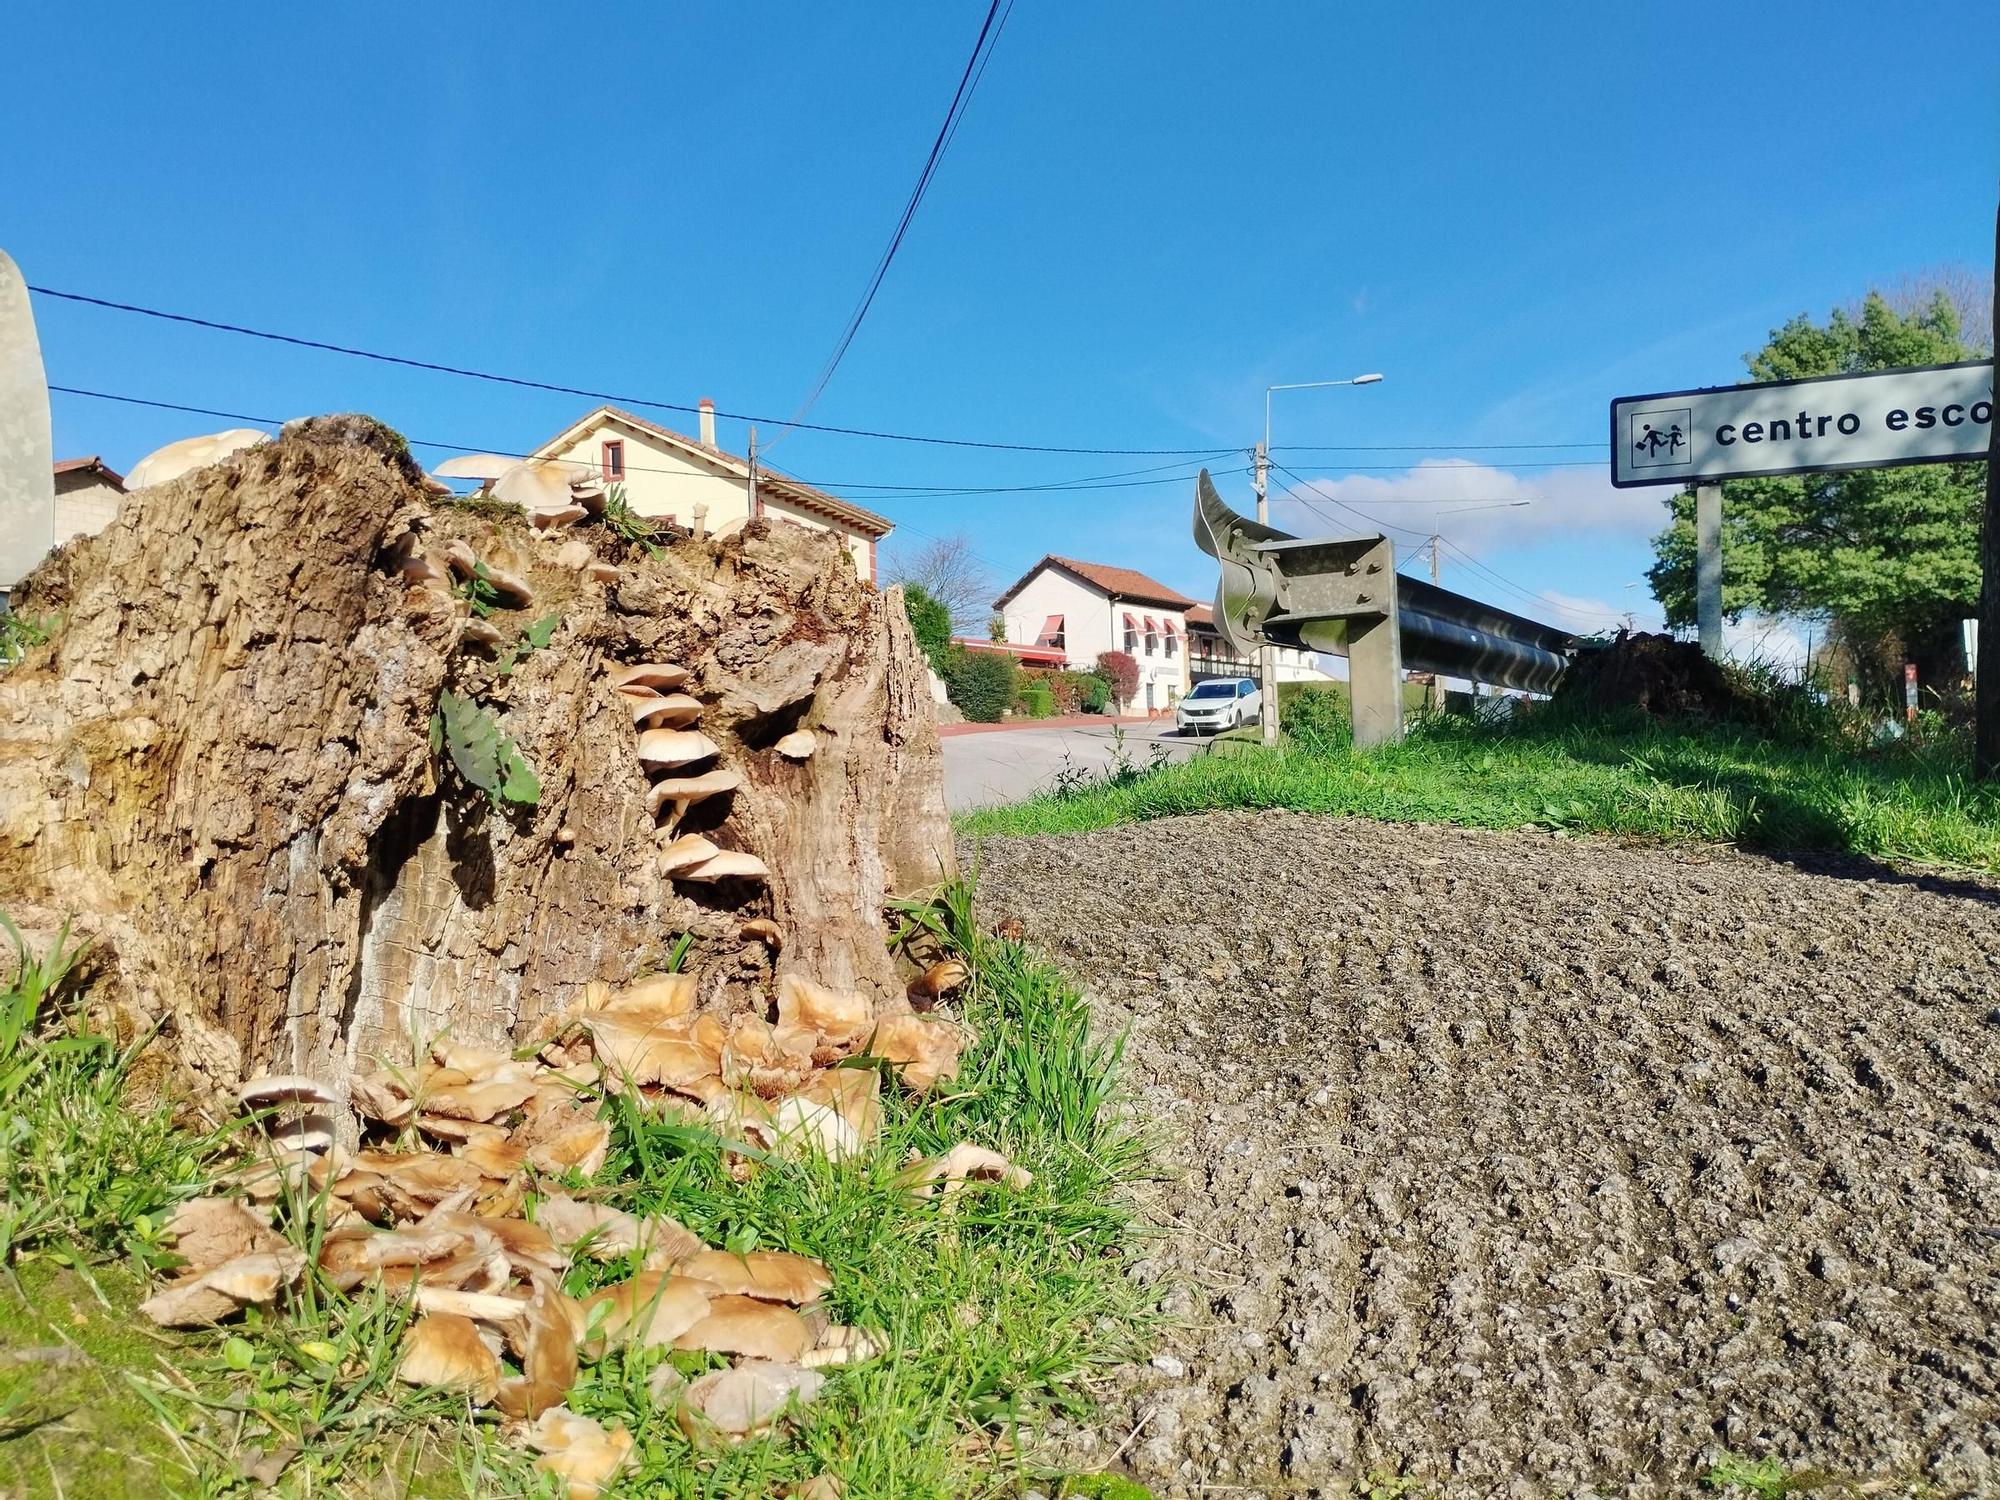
<point x="968" y="83"/>
<point x="890" y="492"/>
<point x="607" y="397"/>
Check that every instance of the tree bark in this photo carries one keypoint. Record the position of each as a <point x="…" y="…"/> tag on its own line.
<point x="221" y="766"/>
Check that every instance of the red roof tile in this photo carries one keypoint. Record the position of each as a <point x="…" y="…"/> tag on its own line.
<point x="1119" y="583"/>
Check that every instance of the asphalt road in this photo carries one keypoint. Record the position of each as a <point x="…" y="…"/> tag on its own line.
<point x="991" y="767"/>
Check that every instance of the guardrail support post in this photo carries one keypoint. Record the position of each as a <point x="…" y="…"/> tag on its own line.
<point x="1375" y="654"/>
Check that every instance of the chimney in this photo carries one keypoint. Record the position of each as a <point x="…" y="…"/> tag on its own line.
<point x="707" y="422"/>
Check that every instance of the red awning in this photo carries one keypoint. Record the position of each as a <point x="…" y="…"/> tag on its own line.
<point x="1152" y="626"/>
<point x="1130" y="623"/>
<point x="1052" y="629"/>
<point x="1171" y="628"/>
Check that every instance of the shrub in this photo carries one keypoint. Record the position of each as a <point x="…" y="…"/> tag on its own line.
<point x="930" y="622"/>
<point x="980" y="683"/>
<point x="1037" y="700"/>
<point x="1315" y="717"/>
<point x="1093" y="693"/>
<point x="1118" y="669"/>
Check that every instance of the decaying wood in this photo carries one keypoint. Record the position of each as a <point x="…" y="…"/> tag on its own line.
<point x="221" y="764"/>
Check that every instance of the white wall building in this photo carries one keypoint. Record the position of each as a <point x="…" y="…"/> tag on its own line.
<point x="1084" y="609"/>
<point x="666" y="474"/>
<point x="1209" y="655"/>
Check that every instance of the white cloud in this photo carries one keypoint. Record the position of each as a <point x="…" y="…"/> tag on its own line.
<point x="1475" y="505"/>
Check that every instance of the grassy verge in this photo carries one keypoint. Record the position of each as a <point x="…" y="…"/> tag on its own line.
<point x="998" y="1312"/>
<point x="1604" y="775"/>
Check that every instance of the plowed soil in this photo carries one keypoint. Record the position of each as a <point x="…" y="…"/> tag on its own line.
<point x="1525" y="1164"/>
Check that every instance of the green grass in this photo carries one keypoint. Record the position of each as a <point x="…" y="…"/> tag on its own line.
<point x="999" y="1314"/>
<point x="1653" y="781"/>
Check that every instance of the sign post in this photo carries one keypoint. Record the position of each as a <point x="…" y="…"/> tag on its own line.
<point x="1928" y="414"/>
<point x="1708" y="568"/>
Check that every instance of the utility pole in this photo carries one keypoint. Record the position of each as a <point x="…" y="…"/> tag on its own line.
<point x="1267" y="671"/>
<point x="753" y="473"/>
<point x="1986" y="679"/>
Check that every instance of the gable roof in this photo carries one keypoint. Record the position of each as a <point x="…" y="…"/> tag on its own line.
<point x="1202" y="615"/>
<point x="1119" y="583"/>
<point x="770" y="483"/>
<point x="92" y="464"/>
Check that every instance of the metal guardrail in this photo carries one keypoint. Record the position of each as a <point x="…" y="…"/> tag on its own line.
<point x="1343" y="595"/>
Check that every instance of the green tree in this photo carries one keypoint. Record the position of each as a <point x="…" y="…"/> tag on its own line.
<point x="1888" y="558"/>
<point x="930" y="622"/>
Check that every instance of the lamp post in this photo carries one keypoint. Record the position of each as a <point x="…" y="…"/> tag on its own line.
<point x="1267" y="672"/>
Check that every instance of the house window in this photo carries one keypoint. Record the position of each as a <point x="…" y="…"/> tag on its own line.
<point x="614" y="460"/>
<point x="1131" y="636"/>
<point x="1152" y="636"/>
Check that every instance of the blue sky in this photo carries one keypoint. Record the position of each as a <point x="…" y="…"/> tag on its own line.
<point x="1150" y="214"/>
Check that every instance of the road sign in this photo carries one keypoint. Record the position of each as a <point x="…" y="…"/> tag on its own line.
<point x="1926" y="415"/>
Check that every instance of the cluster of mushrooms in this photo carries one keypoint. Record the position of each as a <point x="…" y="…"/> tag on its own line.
<point x="434" y="1206"/>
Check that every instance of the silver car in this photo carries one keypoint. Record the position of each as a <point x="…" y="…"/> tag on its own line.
<point x="1219" y="703"/>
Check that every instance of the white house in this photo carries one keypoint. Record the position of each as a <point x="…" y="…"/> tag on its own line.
<point x="1209" y="655"/>
<point x="1084" y="609"/>
<point x="666" y="474"/>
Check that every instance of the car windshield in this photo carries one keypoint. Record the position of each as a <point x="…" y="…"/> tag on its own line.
<point x="1213" y="690"/>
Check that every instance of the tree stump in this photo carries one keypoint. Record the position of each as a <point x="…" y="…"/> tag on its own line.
<point x="222" y="765"/>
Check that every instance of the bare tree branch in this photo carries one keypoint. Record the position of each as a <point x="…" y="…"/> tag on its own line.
<point x="951" y="575"/>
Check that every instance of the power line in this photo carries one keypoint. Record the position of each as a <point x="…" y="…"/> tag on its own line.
<point x="866" y="487"/>
<point x="1539" y="600"/>
<point x="968" y="83"/>
<point x="1420" y="447"/>
<point x="609" y="397"/>
<point x="614" y="398"/>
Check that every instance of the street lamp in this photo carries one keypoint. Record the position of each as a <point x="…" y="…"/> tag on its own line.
<point x="1267" y="675"/>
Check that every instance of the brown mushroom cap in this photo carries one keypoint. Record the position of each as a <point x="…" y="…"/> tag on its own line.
<point x="533" y="485"/>
<point x="602" y="572"/>
<point x="481" y="466"/>
<point x="797" y="745"/>
<point x="748" y="1326"/>
<point x="555" y="517"/>
<point x="446" y="1349"/>
<point x="683" y="792"/>
<point x="657" y="997"/>
<point x="730" y="864"/>
<point x="649" y="674"/>
<point x="748" y="1398"/>
<point x="769" y="1275"/>
<point x="189" y="454"/>
<point x="288" y="1088"/>
<point x="765" y="931"/>
<point x="841" y="1015"/>
<point x="511" y="587"/>
<point x="653" y="1308"/>
<point x="668" y="748"/>
<point x="686" y="852"/>
<point x="669" y="710"/>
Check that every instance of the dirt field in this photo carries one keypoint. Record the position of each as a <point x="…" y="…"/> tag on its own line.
<point x="1526" y="1165"/>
